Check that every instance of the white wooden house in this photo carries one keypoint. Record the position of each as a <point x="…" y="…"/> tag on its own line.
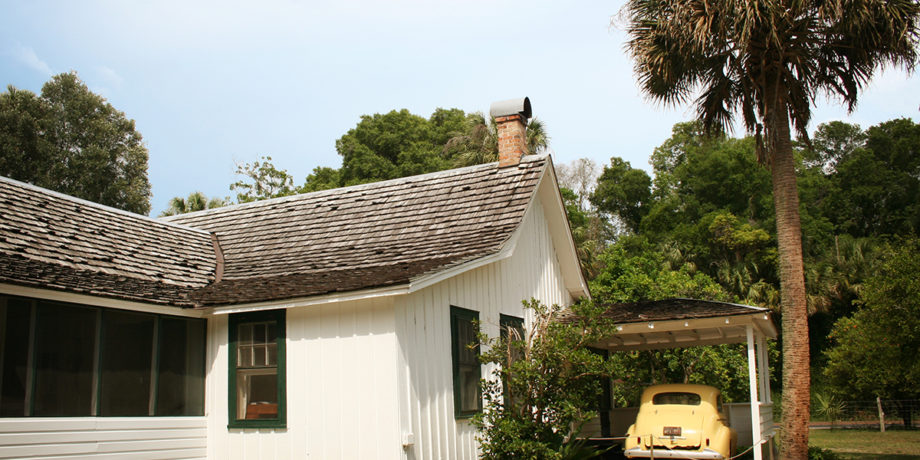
<point x="324" y="325"/>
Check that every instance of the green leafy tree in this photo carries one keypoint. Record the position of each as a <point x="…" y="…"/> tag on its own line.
<point x="767" y="60"/>
<point x="71" y="140"/>
<point x="590" y="231"/>
<point x="636" y="270"/>
<point x="399" y="144"/>
<point x="322" y="178"/>
<point x="262" y="180"/>
<point x="623" y="192"/>
<point x="875" y="186"/>
<point x="25" y="150"/>
<point x="833" y="142"/>
<point x="874" y="351"/>
<point x="545" y="385"/>
<point x="196" y="201"/>
<point x="390" y="145"/>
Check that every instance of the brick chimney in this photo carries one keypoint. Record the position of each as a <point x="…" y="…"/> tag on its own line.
<point x="511" y="120"/>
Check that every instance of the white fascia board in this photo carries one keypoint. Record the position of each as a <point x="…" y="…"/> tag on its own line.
<point x="401" y="289"/>
<point x="561" y="231"/>
<point x="70" y="297"/>
<point x="663" y="345"/>
<point x="761" y="319"/>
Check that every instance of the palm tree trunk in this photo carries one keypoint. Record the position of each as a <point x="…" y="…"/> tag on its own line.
<point x="796" y="371"/>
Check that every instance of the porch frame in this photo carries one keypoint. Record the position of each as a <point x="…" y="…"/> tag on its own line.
<point x="752" y="327"/>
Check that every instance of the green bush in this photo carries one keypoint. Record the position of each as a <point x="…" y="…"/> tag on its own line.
<point x="817" y="453"/>
<point x="545" y="385"/>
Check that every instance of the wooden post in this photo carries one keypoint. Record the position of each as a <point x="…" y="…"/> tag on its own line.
<point x="881" y="413"/>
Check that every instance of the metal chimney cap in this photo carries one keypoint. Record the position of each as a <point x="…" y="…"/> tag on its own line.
<point x="519" y="106"/>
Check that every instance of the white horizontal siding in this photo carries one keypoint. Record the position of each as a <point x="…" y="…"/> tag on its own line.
<point x="104" y="437"/>
<point x="423" y="329"/>
<point x="341" y="387"/>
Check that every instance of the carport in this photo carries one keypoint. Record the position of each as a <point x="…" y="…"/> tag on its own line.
<point x="678" y="323"/>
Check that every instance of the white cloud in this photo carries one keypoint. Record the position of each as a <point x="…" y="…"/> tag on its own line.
<point x="108" y="76"/>
<point x="28" y="57"/>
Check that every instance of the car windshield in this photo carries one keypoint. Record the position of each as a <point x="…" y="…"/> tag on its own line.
<point x="684" y="399"/>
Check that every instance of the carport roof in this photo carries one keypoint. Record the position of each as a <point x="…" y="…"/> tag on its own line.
<point x="674" y="323"/>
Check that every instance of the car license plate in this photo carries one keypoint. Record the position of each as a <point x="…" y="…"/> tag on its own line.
<point x="672" y="431"/>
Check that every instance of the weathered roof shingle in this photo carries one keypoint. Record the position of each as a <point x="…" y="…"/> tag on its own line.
<point x="365" y="236"/>
<point x="51" y="240"/>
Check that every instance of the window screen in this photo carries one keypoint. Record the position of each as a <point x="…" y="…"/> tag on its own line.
<point x="466" y="367"/>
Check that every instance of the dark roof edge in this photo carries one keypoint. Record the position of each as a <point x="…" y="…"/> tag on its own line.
<point x="101" y="207"/>
<point x="752" y="307"/>
<point x="185" y="305"/>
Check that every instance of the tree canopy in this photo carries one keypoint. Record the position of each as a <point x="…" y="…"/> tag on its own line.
<point x="388" y="146"/>
<point x="874" y="351"/>
<point x="71" y="140"/>
<point x="765" y="62"/>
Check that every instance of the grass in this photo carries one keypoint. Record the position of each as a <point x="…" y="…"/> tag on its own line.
<point x="902" y="444"/>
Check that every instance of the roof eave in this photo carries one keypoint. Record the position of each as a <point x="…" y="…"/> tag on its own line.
<point x="561" y="231"/>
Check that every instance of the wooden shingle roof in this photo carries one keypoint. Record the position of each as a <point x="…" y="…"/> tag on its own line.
<point x="365" y="236"/>
<point x="50" y="240"/>
<point x="675" y="309"/>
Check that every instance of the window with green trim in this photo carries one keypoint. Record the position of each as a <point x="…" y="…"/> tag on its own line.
<point x="257" y="370"/>
<point x="511" y="327"/>
<point x="69" y="360"/>
<point x="464" y="346"/>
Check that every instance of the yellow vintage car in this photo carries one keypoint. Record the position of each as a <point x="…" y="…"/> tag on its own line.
<point x="680" y="421"/>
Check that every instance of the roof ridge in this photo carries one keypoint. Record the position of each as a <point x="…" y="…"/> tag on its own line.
<point x="99" y="206"/>
<point x="376" y="184"/>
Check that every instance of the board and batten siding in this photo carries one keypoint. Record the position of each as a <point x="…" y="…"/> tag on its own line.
<point x="97" y="438"/>
<point x="423" y="328"/>
<point x="341" y="387"/>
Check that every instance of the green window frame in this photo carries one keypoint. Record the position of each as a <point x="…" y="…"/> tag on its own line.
<point x="465" y="359"/>
<point x="257" y="370"/>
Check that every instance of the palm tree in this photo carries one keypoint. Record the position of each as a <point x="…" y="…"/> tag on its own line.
<point x="767" y="60"/>
<point x="196" y="201"/>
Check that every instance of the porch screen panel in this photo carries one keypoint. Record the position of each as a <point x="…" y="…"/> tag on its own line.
<point x="64" y="359"/>
<point x="127" y="353"/>
<point x="15" y="326"/>
<point x="180" y="389"/>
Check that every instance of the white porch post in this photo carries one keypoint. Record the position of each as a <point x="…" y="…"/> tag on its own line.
<point x="763" y="369"/>
<point x="766" y="393"/>
<point x="755" y="402"/>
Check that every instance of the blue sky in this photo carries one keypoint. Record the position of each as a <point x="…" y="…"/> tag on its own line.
<point x="212" y="84"/>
